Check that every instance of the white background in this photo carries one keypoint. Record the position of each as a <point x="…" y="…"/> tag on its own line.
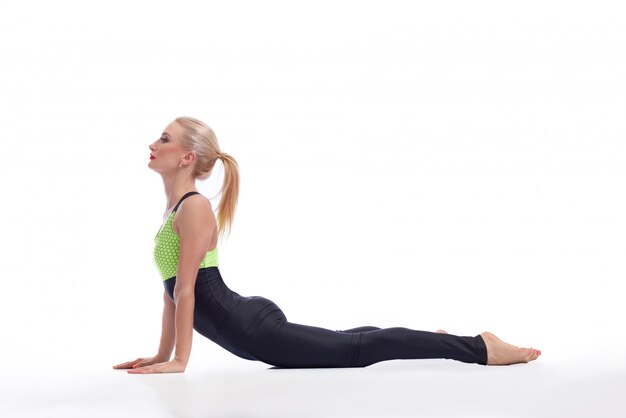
<point x="455" y="165"/>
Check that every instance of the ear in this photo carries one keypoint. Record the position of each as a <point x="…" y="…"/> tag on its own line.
<point x="190" y="156"/>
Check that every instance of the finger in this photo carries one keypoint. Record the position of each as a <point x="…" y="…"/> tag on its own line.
<point x="130" y="363"/>
<point x="122" y="365"/>
<point x="141" y="370"/>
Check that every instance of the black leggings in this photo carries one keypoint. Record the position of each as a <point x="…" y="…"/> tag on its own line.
<point x="255" y="328"/>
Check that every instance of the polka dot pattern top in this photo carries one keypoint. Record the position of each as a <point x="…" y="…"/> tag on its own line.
<point x="166" y="248"/>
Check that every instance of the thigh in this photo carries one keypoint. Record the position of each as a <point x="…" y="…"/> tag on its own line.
<point x="244" y="321"/>
<point x="291" y="345"/>
<point x="360" y="329"/>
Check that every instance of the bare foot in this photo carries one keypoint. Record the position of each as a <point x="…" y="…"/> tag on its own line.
<point x="501" y="353"/>
<point x="440" y="331"/>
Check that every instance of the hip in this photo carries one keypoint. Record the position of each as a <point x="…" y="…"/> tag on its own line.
<point x="253" y="315"/>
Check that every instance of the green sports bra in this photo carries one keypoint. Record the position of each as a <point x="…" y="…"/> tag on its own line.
<point x="166" y="247"/>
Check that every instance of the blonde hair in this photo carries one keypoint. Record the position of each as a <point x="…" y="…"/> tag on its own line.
<point x="199" y="137"/>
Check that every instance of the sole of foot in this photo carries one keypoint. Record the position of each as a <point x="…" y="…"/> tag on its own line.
<point x="501" y="353"/>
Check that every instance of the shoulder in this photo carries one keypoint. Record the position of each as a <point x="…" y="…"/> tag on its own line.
<point x="195" y="202"/>
<point x="194" y="212"/>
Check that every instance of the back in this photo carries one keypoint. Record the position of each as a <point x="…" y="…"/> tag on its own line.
<point x="166" y="244"/>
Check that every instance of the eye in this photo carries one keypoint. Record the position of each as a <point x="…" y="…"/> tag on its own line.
<point x="164" y="139"/>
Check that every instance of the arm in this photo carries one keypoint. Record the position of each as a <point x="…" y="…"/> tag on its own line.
<point x="168" y="330"/>
<point x="195" y="228"/>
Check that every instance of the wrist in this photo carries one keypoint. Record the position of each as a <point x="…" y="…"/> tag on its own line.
<point x="162" y="357"/>
<point x="181" y="361"/>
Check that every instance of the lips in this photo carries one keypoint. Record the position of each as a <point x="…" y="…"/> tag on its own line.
<point x="152" y="157"/>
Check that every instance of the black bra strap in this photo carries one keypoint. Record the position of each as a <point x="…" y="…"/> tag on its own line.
<point x="183" y="198"/>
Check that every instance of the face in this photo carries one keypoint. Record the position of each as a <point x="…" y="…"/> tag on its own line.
<point x="168" y="151"/>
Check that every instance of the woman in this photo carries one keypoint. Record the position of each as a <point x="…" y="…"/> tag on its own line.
<point x="253" y="327"/>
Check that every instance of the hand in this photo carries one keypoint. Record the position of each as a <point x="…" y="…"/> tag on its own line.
<point x="173" y="366"/>
<point x="144" y="361"/>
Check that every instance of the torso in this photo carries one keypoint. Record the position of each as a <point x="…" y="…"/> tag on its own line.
<point x="212" y="244"/>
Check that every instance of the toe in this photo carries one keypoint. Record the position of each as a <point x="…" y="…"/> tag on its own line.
<point x="528" y="354"/>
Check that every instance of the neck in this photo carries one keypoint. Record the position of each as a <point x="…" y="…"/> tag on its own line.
<point x="175" y="188"/>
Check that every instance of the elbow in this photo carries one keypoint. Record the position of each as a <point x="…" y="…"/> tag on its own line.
<point x="183" y="292"/>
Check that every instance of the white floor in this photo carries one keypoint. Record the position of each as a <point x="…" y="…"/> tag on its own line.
<point x="227" y="386"/>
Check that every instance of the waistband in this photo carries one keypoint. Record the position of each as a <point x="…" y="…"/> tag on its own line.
<point x="212" y="270"/>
